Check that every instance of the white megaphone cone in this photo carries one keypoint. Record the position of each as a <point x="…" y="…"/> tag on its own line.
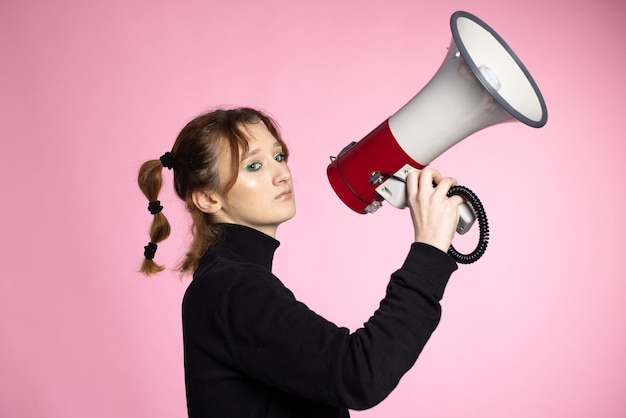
<point x="480" y="83"/>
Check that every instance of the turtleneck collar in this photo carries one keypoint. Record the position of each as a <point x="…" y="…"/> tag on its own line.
<point x="248" y="243"/>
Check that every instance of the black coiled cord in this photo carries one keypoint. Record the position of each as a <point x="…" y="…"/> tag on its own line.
<point x="483" y="225"/>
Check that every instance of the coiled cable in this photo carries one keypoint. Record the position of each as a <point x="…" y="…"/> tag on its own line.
<point x="483" y="225"/>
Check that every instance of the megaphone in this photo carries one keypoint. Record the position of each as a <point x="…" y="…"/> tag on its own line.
<point x="480" y="83"/>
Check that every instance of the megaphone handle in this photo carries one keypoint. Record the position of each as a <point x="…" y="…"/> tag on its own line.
<point x="483" y="226"/>
<point x="471" y="210"/>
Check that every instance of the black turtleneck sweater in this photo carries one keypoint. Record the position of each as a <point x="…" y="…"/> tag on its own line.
<point x="252" y="350"/>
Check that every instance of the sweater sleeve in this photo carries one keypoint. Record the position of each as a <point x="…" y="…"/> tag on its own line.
<point x="279" y="341"/>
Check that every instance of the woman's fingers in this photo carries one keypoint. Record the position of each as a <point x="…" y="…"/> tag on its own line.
<point x="434" y="214"/>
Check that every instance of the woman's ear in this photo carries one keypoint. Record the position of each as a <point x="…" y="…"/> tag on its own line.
<point x="206" y="202"/>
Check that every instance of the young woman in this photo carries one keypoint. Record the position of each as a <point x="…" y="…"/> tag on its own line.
<point x="251" y="349"/>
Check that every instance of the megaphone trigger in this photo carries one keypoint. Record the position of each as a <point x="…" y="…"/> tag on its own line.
<point x="392" y="186"/>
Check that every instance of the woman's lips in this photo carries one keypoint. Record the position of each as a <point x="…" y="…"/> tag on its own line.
<point x="284" y="195"/>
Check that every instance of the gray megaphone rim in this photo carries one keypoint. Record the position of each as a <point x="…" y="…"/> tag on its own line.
<point x="472" y="65"/>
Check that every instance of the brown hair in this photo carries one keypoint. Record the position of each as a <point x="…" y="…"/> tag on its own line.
<point x="195" y="158"/>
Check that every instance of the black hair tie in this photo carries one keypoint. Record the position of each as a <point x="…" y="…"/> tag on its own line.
<point x="155" y="207"/>
<point x="167" y="160"/>
<point x="150" y="250"/>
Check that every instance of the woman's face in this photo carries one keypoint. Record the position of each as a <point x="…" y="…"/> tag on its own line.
<point x="262" y="196"/>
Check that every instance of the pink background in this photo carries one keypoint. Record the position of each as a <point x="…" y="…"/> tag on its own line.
<point x="89" y="90"/>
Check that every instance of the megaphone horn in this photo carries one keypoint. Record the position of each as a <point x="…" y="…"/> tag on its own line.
<point x="480" y="83"/>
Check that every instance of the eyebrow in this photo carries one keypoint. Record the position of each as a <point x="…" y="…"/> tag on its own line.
<point x="255" y="151"/>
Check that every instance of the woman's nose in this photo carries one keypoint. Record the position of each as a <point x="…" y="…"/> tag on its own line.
<point x="282" y="173"/>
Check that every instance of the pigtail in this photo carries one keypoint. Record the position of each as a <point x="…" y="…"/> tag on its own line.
<point x="150" y="180"/>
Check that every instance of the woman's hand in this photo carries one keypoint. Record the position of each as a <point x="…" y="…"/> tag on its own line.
<point x="434" y="214"/>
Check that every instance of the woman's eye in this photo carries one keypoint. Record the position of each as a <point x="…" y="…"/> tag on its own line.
<point x="253" y="166"/>
<point x="280" y="157"/>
